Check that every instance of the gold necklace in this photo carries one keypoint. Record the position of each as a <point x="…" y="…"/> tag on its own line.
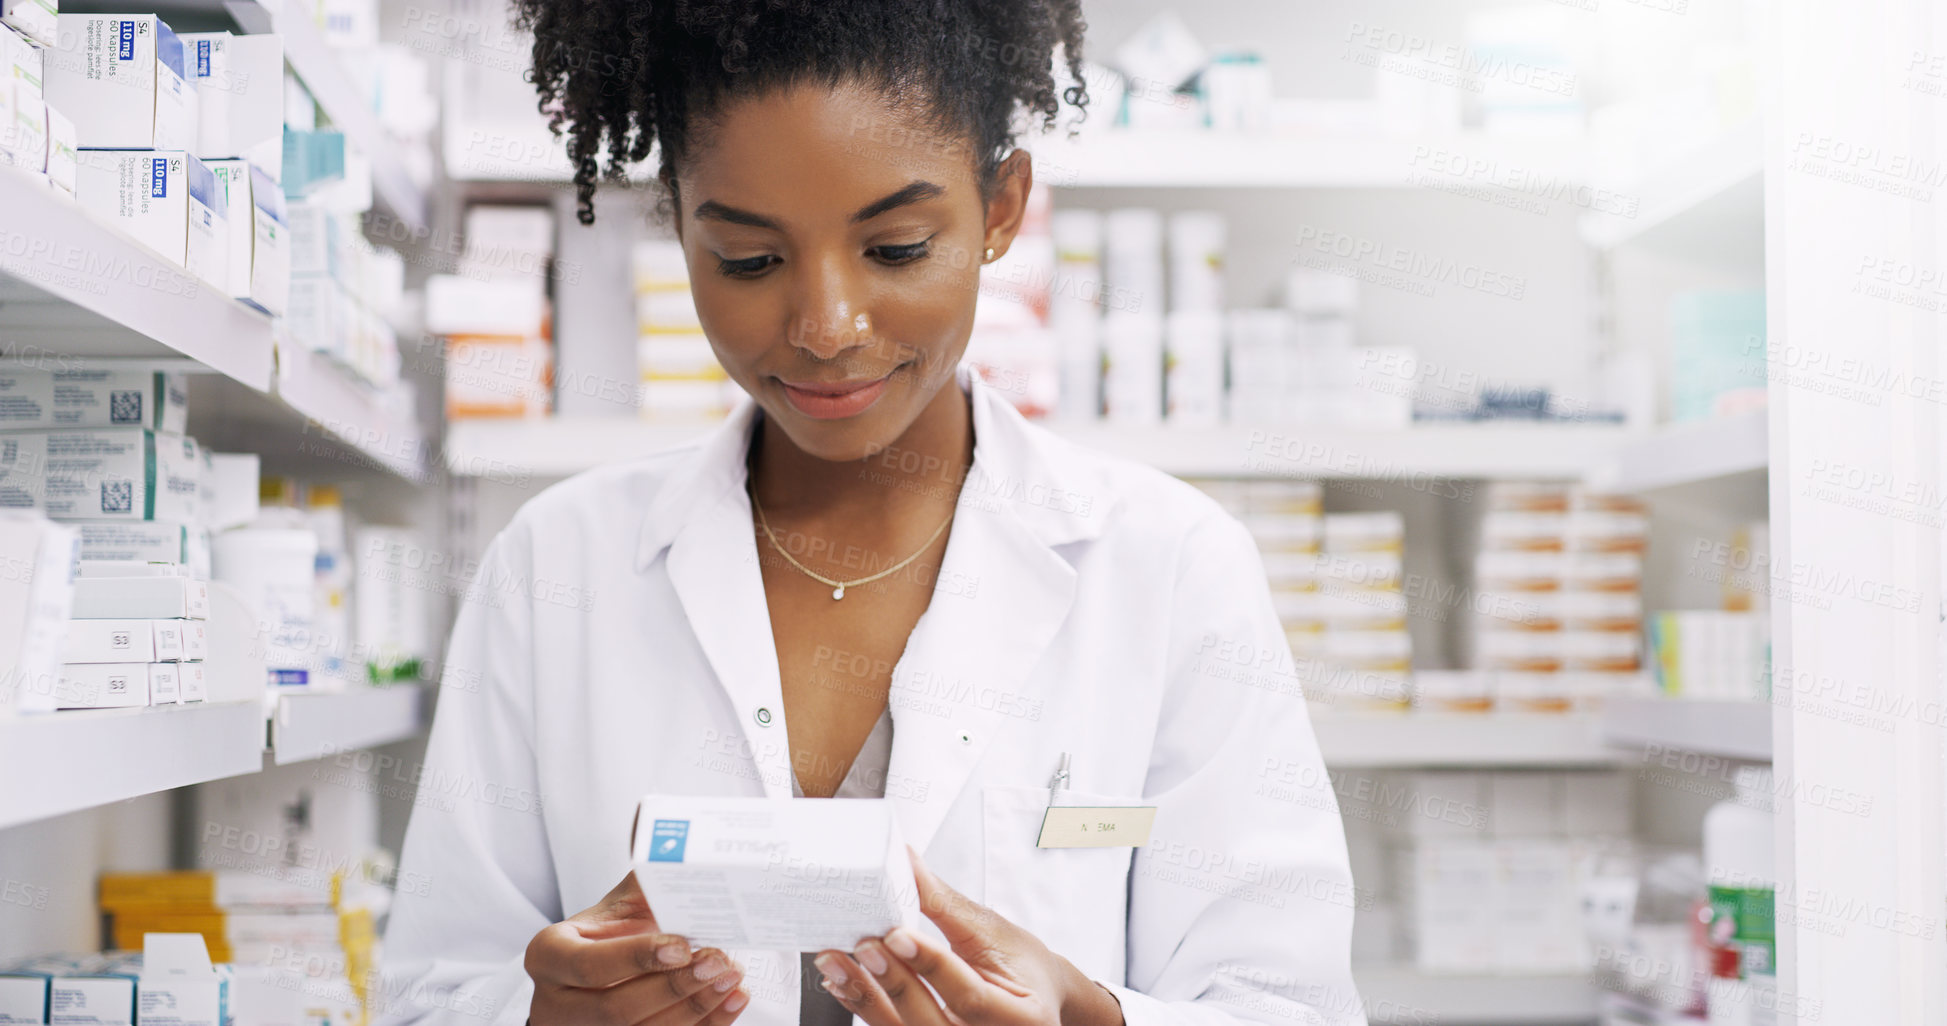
<point x="838" y="587"/>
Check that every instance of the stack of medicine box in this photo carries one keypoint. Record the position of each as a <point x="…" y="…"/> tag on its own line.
<point x="679" y="376"/>
<point x="344" y="291"/>
<point x="168" y="979"/>
<point x="35" y="136"/>
<point x="493" y="315"/>
<point x="1472" y="871"/>
<point x="180" y="143"/>
<point x="1366" y="650"/>
<point x="1558" y="609"/>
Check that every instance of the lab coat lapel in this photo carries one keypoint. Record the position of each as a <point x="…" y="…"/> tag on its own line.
<point x="1005" y="593"/>
<point x="704" y="519"/>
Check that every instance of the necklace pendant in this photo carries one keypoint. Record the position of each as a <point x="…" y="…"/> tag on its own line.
<point x="838" y="593"/>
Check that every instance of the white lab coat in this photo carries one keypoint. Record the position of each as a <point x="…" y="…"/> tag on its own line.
<point x="616" y="642"/>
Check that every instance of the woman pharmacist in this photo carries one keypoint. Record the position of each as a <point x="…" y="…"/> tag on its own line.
<point x="875" y="579"/>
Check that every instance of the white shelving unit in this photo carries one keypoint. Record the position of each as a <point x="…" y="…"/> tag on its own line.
<point x="310" y="726"/>
<point x="1500" y="739"/>
<point x="83" y="758"/>
<point x="74" y="286"/>
<point x="1227" y="160"/>
<point x="1734" y="730"/>
<point x="566" y="445"/>
<point x="1691" y="453"/>
<point x="1404" y="995"/>
<point x="1708" y="203"/>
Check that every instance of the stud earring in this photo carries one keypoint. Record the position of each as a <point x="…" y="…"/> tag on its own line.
<point x="990" y="255"/>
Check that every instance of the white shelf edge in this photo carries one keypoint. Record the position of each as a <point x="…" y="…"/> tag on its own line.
<point x="1690" y="453"/>
<point x="1512" y="739"/>
<point x="1735" y="730"/>
<point x="560" y="446"/>
<point x="1682" y="186"/>
<point x="309" y="726"/>
<point x="1403" y="994"/>
<point x="92" y="266"/>
<point x="311" y="58"/>
<point x="330" y="397"/>
<point x="79" y="759"/>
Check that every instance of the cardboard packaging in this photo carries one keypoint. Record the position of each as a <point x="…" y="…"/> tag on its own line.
<point x="147" y="598"/>
<point x="23" y="997"/>
<point x="239" y="96"/>
<point x="123" y="81"/>
<point x="38" y="20"/>
<point x="110" y="641"/>
<point x="779" y="875"/>
<point x="195" y="686"/>
<point x="158" y="542"/>
<point x="166" y="199"/>
<point x="102" y="686"/>
<point x="23" y="132"/>
<point x="165" y="685"/>
<point x="34" y="608"/>
<point x="93" y="398"/>
<point x="178" y="986"/>
<point x="21" y="60"/>
<point x="111" y="473"/>
<point x="62" y="151"/>
<point x="259" y="241"/>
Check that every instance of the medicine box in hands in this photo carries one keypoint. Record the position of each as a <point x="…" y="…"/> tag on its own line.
<point x="123" y="80"/>
<point x="775" y="874"/>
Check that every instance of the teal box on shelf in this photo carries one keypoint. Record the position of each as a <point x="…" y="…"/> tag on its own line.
<point x="311" y="159"/>
<point x="1717" y="353"/>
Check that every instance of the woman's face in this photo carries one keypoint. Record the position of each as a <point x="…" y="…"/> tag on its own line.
<point x="834" y="250"/>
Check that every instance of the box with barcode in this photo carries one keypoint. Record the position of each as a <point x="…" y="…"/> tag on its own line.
<point x="776" y="874"/>
<point x="102" y="686"/>
<point x="93" y="397"/>
<point x="113" y="473"/>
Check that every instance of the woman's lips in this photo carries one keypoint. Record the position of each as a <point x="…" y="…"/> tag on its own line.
<point x="834" y="400"/>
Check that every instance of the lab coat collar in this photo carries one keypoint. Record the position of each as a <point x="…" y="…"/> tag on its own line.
<point x="1037" y="477"/>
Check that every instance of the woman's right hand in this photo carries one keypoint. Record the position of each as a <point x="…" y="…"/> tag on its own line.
<point x="610" y="965"/>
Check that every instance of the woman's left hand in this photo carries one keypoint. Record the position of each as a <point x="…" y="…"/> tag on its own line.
<point x="994" y="974"/>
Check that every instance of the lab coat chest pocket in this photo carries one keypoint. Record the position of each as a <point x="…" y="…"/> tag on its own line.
<point x="1074" y="899"/>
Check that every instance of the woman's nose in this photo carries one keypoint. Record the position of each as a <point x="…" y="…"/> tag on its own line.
<point x="830" y="320"/>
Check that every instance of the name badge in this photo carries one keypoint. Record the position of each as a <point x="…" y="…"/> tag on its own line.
<point x="1096" y="826"/>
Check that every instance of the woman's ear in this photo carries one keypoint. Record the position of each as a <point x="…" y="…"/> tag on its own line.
<point x="1010" y="201"/>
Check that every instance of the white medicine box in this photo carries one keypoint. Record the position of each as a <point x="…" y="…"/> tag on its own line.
<point x="259" y="240"/>
<point x="23" y="127"/>
<point x="122" y="79"/>
<point x="38" y="20"/>
<point x="166" y="199"/>
<point x="239" y="84"/>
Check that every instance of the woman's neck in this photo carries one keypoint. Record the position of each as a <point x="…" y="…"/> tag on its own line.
<point x="921" y="470"/>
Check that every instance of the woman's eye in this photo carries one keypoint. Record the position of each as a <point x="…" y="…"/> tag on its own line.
<point x="749" y="267"/>
<point x="896" y="255"/>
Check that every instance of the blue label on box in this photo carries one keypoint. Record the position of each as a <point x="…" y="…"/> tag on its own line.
<point x="667" y="839"/>
<point x="158" y="177"/>
<point x="202" y="58"/>
<point x="127" y="51"/>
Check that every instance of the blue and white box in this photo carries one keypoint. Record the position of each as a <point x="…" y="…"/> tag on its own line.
<point x="259" y="238"/>
<point x="167" y="199"/>
<point x="240" y="97"/>
<point x="124" y="81"/>
<point x="774" y="874"/>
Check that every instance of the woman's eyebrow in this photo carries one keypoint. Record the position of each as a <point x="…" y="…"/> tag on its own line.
<point x="910" y="194"/>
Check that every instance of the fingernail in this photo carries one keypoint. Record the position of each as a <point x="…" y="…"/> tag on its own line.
<point x="736" y="1001"/>
<point x="831" y="967"/>
<point x="709" y="968"/>
<point x="869" y="957"/>
<point x="902" y="944"/>
<point x="838" y="995"/>
<point x="672" y="954"/>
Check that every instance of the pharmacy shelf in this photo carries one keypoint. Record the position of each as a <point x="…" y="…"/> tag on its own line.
<point x="560" y="446"/>
<point x="72" y="286"/>
<point x="1398" y="994"/>
<point x="333" y="401"/>
<point x="1378" y="740"/>
<point x="1735" y="730"/>
<point x="310" y="726"/>
<point x="1211" y="159"/>
<point x="1707" y="204"/>
<point x="83" y="758"/>
<point x="1698" y="452"/>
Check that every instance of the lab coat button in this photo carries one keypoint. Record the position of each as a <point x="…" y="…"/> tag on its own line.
<point x="763" y="716"/>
